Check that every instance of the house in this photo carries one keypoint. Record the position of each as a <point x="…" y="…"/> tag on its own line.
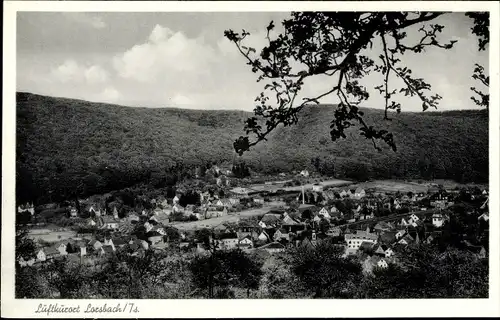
<point x="175" y="200"/>
<point x="484" y="217"/>
<point x="73" y="212"/>
<point x="343" y="194"/>
<point x="47" y="254"/>
<point x="407" y="239"/>
<point x="334" y="232"/>
<point x="219" y="204"/>
<point x="95" y="244"/>
<point x="228" y="241"/>
<point x="109" y="223"/>
<point x="382" y="264"/>
<point x="359" y="193"/>
<point x="220" y="228"/>
<point x="381" y="227"/>
<point x="366" y="246"/>
<point x="388" y="251"/>
<point x="437" y="220"/>
<point x="304" y="173"/>
<point x="160" y="230"/>
<point x="245" y="243"/>
<point x="379" y="250"/>
<point x="387" y="237"/>
<point x="91" y="222"/>
<point x="404" y="223"/>
<point x="263" y="236"/>
<point x="41" y="256"/>
<point x="148" y="226"/>
<point x="317" y="187"/>
<point x="119" y="243"/>
<point x="414" y="218"/>
<point x="139" y="243"/>
<point x="354" y="240"/>
<point x="479" y="251"/>
<point x="106" y="250"/>
<point x="281" y="234"/>
<point x="258" y="200"/>
<point x="109" y="243"/>
<point x="154" y="237"/>
<point x="62" y="247"/>
<point x="400" y="234"/>
<point x="273" y="247"/>
<point x="234" y="201"/>
<point x="324" y="212"/>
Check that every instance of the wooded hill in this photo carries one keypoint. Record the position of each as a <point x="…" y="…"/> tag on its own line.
<point x="67" y="147"/>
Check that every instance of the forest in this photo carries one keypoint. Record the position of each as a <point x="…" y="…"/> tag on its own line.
<point x="70" y="148"/>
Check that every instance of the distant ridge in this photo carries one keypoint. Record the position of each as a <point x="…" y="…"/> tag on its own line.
<point x="59" y="139"/>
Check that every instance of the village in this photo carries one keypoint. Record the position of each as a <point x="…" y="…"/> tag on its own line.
<point x="268" y="218"/>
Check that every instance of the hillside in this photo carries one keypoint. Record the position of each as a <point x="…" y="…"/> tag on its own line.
<point x="67" y="146"/>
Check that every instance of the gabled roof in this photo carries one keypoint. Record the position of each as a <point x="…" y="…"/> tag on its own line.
<point x="366" y="245"/>
<point x="50" y="251"/>
<point x="118" y="241"/>
<point x="107" y="249"/>
<point x="270" y="218"/>
<point x="387" y="237"/>
<point x="290" y="221"/>
<point x="154" y="234"/>
<point x="228" y="235"/>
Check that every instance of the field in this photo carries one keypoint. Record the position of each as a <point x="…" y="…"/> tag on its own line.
<point x="277" y="186"/>
<point x="413" y="186"/>
<point x="211" y="223"/>
<point x="48" y="235"/>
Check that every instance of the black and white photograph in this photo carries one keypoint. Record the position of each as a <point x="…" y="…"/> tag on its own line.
<point x="251" y="154"/>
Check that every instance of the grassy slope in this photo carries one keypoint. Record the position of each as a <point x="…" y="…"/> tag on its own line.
<point x="57" y="135"/>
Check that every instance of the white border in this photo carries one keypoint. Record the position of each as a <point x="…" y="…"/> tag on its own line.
<point x="245" y="308"/>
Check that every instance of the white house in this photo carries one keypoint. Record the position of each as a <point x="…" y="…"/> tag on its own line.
<point x="41" y="255"/>
<point x="109" y="242"/>
<point x="400" y="234"/>
<point x="359" y="193"/>
<point x="414" y="217"/>
<point x="110" y="223"/>
<point x="317" y="187"/>
<point x="263" y="236"/>
<point x="304" y="173"/>
<point x="484" y="217"/>
<point x="437" y="220"/>
<point x="148" y="227"/>
<point x="73" y="212"/>
<point x="245" y="243"/>
<point x="354" y="240"/>
<point x="389" y="252"/>
<point x="382" y="264"/>
<point x="323" y="212"/>
<point x="404" y="222"/>
<point x="62" y="249"/>
<point x="176" y="200"/>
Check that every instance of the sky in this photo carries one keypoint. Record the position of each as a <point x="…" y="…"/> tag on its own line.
<point x="182" y="59"/>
